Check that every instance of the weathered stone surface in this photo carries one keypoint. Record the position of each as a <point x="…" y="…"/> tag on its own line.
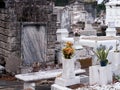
<point x="9" y="64"/>
<point x="3" y="23"/>
<point x="51" y="57"/>
<point x="50" y="51"/>
<point x="4" y="45"/>
<point x="2" y="16"/>
<point x="3" y="37"/>
<point x="51" y="45"/>
<point x="13" y="33"/>
<point x="51" y="38"/>
<point x="4" y="52"/>
<point x="4" y="31"/>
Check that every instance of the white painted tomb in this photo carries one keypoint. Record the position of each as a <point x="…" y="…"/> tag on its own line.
<point x="112" y="17"/>
<point x="90" y="41"/>
<point x="95" y="41"/>
<point x="68" y="76"/>
<point x="61" y="34"/>
<point x="100" y="75"/>
<point x="114" y="59"/>
<point x="111" y="30"/>
<point x="113" y="13"/>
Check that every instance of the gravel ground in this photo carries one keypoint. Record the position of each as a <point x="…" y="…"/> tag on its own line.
<point x="18" y="85"/>
<point x="11" y="83"/>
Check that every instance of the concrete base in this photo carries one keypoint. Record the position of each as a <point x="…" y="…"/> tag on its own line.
<point x="67" y="82"/>
<point x="100" y="75"/>
<point x="82" y="79"/>
<point x="28" y="85"/>
<point x="58" y="87"/>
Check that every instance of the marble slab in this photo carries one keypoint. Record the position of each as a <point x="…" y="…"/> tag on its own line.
<point x="43" y="75"/>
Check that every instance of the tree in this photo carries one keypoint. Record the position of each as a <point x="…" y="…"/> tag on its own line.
<point x="61" y="2"/>
<point x="2" y="4"/>
<point x="101" y="7"/>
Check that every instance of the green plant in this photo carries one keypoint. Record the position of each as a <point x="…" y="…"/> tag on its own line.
<point x="102" y="52"/>
<point x="100" y="7"/>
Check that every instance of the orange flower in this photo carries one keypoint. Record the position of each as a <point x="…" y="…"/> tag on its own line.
<point x="68" y="51"/>
<point x="69" y="44"/>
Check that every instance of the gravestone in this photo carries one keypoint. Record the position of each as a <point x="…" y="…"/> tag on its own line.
<point x="34" y="43"/>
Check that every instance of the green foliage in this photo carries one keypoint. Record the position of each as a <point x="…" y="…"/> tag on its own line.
<point x="2" y="4"/>
<point x="117" y="77"/>
<point x="100" y="7"/>
<point x="102" y="52"/>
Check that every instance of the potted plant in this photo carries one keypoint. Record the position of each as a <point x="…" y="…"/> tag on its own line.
<point x="102" y="53"/>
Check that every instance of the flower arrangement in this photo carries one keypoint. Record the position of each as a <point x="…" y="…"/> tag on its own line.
<point x="102" y="53"/>
<point x="68" y="50"/>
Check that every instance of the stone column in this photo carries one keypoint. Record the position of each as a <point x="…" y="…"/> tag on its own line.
<point x="61" y="34"/>
<point x="68" y="69"/>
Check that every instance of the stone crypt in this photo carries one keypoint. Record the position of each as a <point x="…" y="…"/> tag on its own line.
<point x="22" y="22"/>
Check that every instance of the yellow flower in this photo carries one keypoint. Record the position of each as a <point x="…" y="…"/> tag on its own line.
<point x="69" y="44"/>
<point x="68" y="51"/>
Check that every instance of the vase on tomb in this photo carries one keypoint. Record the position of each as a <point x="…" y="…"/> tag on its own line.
<point x="103" y="62"/>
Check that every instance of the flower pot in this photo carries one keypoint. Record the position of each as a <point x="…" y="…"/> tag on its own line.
<point x="103" y="62"/>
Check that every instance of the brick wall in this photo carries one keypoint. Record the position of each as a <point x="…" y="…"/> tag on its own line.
<point x="11" y="19"/>
<point x="9" y="38"/>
